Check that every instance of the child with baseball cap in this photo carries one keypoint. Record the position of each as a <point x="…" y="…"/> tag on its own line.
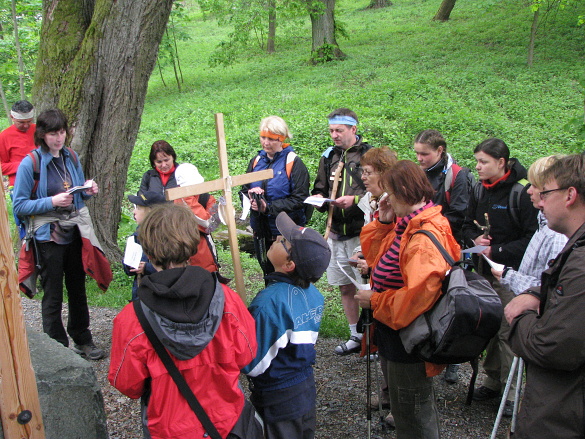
<point x="143" y="202"/>
<point x="288" y="315"/>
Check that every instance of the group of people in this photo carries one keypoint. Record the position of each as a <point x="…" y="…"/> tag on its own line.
<point x="532" y="222"/>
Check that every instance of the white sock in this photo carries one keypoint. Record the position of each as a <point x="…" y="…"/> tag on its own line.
<point x="353" y="331"/>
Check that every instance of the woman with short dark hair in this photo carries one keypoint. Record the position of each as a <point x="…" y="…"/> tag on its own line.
<point x="163" y="160"/>
<point x="407" y="275"/>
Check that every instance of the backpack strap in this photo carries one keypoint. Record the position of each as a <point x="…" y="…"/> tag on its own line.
<point x="450" y="178"/>
<point x="444" y="252"/>
<point x="514" y="201"/>
<point x="174" y="372"/>
<point x="35" y="156"/>
<point x="290" y="161"/>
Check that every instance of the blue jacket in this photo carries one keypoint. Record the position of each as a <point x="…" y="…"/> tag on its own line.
<point x="282" y="194"/>
<point x="25" y="204"/>
<point x="287" y="326"/>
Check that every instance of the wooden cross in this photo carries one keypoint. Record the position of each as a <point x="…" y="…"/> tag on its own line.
<point x="225" y="184"/>
<point x="19" y="396"/>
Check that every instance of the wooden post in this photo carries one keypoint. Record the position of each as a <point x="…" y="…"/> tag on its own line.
<point x="225" y="184"/>
<point x="19" y="398"/>
<point x="333" y="196"/>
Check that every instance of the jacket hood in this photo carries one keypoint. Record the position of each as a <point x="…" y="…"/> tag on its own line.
<point x="517" y="171"/>
<point x="184" y="307"/>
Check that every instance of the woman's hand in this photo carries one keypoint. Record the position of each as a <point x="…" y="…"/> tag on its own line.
<point x="253" y="204"/>
<point x="344" y="202"/>
<point x="93" y="190"/>
<point x="385" y="212"/>
<point x="363" y="298"/>
<point x="62" y="200"/>
<point x="140" y="269"/>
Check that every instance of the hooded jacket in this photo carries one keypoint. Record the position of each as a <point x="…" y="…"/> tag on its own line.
<point x="509" y="240"/>
<point x="346" y="222"/>
<point x="210" y="335"/>
<point x="151" y="181"/>
<point x="552" y="344"/>
<point x="423" y="269"/>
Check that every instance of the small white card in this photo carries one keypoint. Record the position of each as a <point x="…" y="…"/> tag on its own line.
<point x="317" y="201"/>
<point x="133" y="253"/>
<point x="353" y="281"/>
<point x="494" y="265"/>
<point x="476" y="249"/>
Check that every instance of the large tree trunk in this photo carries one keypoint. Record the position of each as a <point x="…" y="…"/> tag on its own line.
<point x="271" y="26"/>
<point x="94" y="62"/>
<point x="325" y="47"/>
<point x="444" y="11"/>
<point x="533" y="31"/>
<point x="377" y="4"/>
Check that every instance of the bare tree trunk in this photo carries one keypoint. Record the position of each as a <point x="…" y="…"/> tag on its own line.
<point x="94" y="62"/>
<point x="271" y="26"/>
<point x="377" y="4"/>
<point x="18" y="51"/>
<point x="444" y="11"/>
<point x="5" y="103"/>
<point x="325" y="47"/>
<point x="533" y="31"/>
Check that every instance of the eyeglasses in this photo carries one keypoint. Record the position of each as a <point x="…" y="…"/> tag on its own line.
<point x="543" y="194"/>
<point x="368" y="173"/>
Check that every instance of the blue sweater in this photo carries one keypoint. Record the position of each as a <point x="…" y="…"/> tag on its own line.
<point x="287" y="326"/>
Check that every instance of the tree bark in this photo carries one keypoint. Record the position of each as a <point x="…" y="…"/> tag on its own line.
<point x="533" y="31"/>
<point x="444" y="11"/>
<point x="18" y="51"/>
<point x="94" y="62"/>
<point x="325" y="47"/>
<point x="271" y="26"/>
<point x="377" y="4"/>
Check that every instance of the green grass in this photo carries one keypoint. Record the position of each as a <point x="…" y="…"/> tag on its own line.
<point x="467" y="78"/>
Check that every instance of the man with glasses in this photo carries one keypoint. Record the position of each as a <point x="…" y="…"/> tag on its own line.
<point x="17" y="140"/>
<point x="547" y="322"/>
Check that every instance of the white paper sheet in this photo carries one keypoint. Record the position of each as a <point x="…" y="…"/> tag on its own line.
<point x="353" y="281"/>
<point x="476" y="249"/>
<point x="494" y="265"/>
<point x="133" y="253"/>
<point x="245" y="207"/>
<point x="317" y="201"/>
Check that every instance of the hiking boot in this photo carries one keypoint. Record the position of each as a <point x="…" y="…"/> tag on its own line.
<point x="351" y="346"/>
<point x="451" y="373"/>
<point x="482" y="393"/>
<point x="89" y="350"/>
<point x="375" y="401"/>
<point x="508" y="409"/>
<point x="389" y="420"/>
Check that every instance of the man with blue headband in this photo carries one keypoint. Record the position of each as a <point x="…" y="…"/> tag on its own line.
<point x="347" y="217"/>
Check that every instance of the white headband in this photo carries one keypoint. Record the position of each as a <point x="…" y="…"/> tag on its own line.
<point x="22" y="116"/>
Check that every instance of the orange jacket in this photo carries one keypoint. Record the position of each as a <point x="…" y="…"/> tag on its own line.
<point x="422" y="266"/>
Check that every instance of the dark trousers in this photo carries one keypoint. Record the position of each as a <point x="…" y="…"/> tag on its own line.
<point x="58" y="262"/>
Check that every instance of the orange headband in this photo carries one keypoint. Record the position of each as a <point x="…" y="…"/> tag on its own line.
<point x="272" y="135"/>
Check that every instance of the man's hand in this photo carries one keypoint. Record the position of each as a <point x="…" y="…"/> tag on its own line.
<point x="363" y="298"/>
<point x="519" y="305"/>
<point x="344" y="202"/>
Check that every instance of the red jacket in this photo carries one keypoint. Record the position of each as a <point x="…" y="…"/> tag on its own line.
<point x="14" y="146"/>
<point x="212" y="374"/>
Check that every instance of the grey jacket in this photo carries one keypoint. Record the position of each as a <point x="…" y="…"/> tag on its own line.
<point x="553" y="346"/>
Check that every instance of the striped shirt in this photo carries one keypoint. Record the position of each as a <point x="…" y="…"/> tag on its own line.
<point x="386" y="274"/>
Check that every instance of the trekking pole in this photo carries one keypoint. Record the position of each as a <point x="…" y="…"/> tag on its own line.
<point x="505" y="397"/>
<point x="367" y="324"/>
<point x="518" y="391"/>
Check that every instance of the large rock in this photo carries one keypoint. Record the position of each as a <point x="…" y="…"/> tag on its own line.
<point x="70" y="397"/>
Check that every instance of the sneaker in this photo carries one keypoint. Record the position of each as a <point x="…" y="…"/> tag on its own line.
<point x="351" y="346"/>
<point x="483" y="393"/>
<point x="508" y="409"/>
<point x="375" y="401"/>
<point x="89" y="350"/>
<point x="451" y="373"/>
<point x="389" y="420"/>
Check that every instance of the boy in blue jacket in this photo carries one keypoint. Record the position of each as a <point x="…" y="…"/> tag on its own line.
<point x="288" y="315"/>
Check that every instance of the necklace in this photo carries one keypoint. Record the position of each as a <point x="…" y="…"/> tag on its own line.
<point x="66" y="184"/>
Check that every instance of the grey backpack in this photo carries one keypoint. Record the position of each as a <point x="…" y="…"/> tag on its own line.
<point x="461" y="323"/>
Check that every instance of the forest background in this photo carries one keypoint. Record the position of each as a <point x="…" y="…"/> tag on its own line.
<point x="469" y="77"/>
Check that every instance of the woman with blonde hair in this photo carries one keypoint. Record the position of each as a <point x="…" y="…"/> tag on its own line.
<point x="285" y="192"/>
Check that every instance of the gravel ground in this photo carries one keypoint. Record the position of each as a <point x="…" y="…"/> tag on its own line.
<point x="341" y="393"/>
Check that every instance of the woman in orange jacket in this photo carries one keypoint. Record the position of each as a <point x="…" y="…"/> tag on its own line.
<point x="406" y="280"/>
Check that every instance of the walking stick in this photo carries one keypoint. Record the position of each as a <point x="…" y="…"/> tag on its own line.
<point x="517" y="363"/>
<point x="336" y="178"/>
<point x="367" y="324"/>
